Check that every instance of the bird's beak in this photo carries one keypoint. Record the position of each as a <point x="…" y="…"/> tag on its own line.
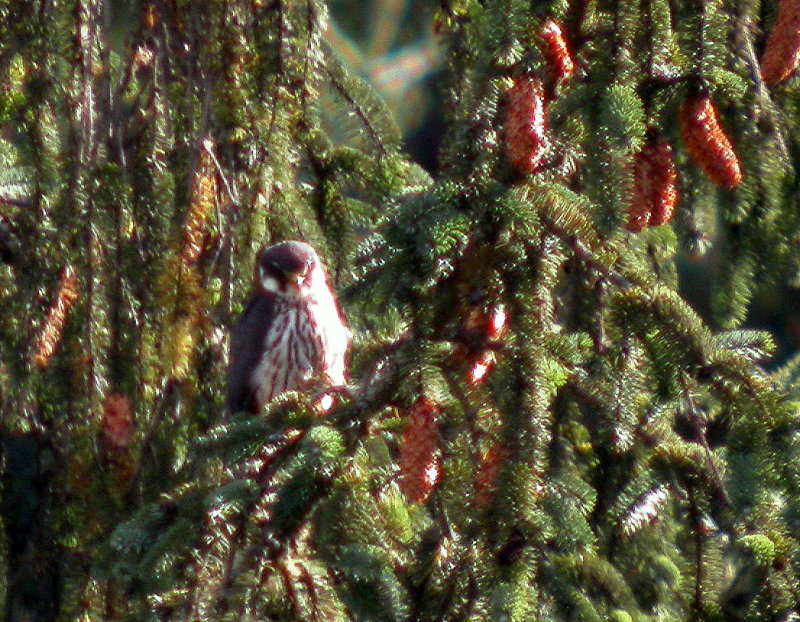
<point x="295" y="279"/>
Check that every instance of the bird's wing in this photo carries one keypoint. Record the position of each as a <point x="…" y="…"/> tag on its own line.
<point x="336" y="363"/>
<point x="246" y="350"/>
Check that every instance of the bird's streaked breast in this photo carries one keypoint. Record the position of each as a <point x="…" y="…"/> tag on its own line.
<point x="304" y="342"/>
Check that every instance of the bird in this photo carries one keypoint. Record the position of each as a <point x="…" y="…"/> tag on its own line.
<point x="291" y="335"/>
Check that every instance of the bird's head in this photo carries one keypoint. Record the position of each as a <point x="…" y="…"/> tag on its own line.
<point x="291" y="270"/>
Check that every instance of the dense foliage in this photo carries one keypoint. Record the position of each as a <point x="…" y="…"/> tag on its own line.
<point x="538" y="426"/>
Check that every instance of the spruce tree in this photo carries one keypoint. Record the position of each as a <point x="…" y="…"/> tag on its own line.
<point x="538" y="427"/>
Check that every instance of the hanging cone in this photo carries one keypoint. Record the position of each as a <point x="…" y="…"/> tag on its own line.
<point x="117" y="454"/>
<point x="498" y="322"/>
<point x="655" y="193"/>
<point x="707" y="143"/>
<point x="481" y="367"/>
<point x="482" y="327"/>
<point x="486" y="479"/>
<point x="117" y="427"/>
<point x="782" y="51"/>
<point x="420" y="467"/>
<point x="556" y="51"/>
<point x="525" y="125"/>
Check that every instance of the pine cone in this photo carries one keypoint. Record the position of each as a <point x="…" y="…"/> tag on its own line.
<point x="707" y="143"/>
<point x="117" y="421"/>
<point x="525" y="125"/>
<point x="655" y="194"/>
<point x="419" y="451"/>
<point x="481" y="367"/>
<point x="117" y="455"/>
<point x="486" y="479"/>
<point x="480" y="328"/>
<point x="498" y="322"/>
<point x="557" y="51"/>
<point x="782" y="51"/>
<point x="483" y="326"/>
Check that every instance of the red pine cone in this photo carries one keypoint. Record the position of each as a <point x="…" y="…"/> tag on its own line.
<point x="419" y="451"/>
<point x="707" y="142"/>
<point x="525" y="124"/>
<point x="655" y="194"/>
<point x="557" y="51"/>
<point x="486" y="479"/>
<point x="117" y="421"/>
<point x="480" y="325"/>
<point x="117" y="455"/>
<point x="782" y="52"/>
<point x="498" y="322"/>
<point x="484" y="327"/>
<point x="481" y="367"/>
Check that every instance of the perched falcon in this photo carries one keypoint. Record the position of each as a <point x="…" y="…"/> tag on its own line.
<point x="291" y="334"/>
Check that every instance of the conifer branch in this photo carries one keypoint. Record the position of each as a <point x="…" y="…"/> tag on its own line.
<point x="15" y="202"/>
<point x="364" y="105"/>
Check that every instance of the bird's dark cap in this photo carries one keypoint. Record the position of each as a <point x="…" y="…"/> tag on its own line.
<point x="286" y="258"/>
